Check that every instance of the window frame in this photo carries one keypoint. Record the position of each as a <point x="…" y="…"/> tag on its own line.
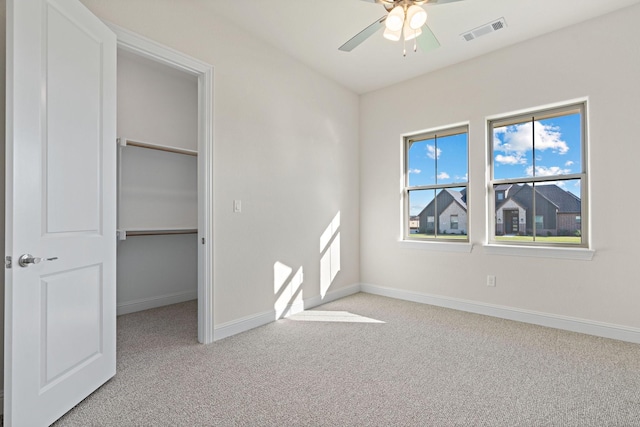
<point x="531" y="116"/>
<point x="407" y="140"/>
<point x="452" y="223"/>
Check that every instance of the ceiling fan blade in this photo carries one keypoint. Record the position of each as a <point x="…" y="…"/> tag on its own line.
<point x="427" y="40"/>
<point x="363" y="35"/>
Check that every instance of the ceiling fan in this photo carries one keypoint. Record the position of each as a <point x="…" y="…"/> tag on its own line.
<point x="405" y="19"/>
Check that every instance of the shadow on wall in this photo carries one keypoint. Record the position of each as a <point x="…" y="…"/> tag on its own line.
<point x="287" y="285"/>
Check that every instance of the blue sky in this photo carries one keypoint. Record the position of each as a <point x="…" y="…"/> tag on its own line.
<point x="557" y="150"/>
<point x="436" y="161"/>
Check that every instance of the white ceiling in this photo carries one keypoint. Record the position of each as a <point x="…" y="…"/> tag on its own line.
<point x="312" y="31"/>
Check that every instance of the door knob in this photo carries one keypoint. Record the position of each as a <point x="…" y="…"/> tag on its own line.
<point x="27" y="259"/>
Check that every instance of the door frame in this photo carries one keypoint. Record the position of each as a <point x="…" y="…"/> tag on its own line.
<point x="509" y="216"/>
<point x="149" y="49"/>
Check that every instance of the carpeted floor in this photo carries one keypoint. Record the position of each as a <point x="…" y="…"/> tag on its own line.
<point x="364" y="360"/>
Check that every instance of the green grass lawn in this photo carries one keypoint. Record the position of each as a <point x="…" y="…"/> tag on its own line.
<point x="541" y="239"/>
<point x="440" y="236"/>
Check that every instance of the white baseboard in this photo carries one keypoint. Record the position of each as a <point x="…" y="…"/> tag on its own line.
<point x="590" y="327"/>
<point x="246" y="323"/>
<point x="127" y="307"/>
<point x="331" y="296"/>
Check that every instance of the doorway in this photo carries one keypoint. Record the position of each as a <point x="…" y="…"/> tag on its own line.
<point x="511" y="218"/>
<point x="134" y="47"/>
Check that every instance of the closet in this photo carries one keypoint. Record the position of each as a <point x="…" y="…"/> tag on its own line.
<point x="157" y="251"/>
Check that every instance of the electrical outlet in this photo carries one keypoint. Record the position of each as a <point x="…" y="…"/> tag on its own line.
<point x="491" y="280"/>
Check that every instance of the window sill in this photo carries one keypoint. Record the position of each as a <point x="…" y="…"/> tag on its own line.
<point x="540" y="252"/>
<point x="436" y="246"/>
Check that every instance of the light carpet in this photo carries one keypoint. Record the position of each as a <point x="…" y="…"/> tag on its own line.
<point x="364" y="360"/>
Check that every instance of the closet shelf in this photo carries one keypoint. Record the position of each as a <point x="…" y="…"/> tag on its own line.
<point x="123" y="234"/>
<point x="124" y="142"/>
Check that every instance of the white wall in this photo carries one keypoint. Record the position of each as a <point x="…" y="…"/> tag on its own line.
<point x="598" y="59"/>
<point x="285" y="144"/>
<point x="156" y="103"/>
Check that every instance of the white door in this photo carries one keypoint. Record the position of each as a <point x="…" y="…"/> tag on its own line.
<point x="60" y="333"/>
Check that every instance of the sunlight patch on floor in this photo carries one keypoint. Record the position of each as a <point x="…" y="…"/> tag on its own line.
<point x="332" y="316"/>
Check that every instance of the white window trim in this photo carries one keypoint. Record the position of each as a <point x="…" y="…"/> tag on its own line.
<point x="432" y="245"/>
<point x="562" y="252"/>
<point x="582" y="252"/>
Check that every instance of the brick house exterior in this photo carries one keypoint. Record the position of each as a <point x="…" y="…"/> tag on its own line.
<point x="557" y="212"/>
<point x="452" y="213"/>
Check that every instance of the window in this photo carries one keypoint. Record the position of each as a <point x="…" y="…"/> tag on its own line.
<point x="435" y="184"/>
<point x="539" y="178"/>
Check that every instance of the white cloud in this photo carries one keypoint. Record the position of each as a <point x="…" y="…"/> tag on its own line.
<point x="416" y="209"/>
<point x="561" y="184"/>
<point x="547" y="171"/>
<point x="431" y="152"/>
<point x="416" y="171"/>
<point x="443" y="175"/>
<point x="569" y="163"/>
<point x="518" y="138"/>
<point x="517" y="159"/>
<point x="462" y="178"/>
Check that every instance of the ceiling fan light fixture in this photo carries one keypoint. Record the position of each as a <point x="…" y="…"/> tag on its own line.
<point x="410" y="34"/>
<point x="416" y="17"/>
<point x="395" y="19"/>
<point x="394" y="36"/>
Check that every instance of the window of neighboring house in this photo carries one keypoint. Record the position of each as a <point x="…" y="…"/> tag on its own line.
<point x="538" y="167"/>
<point x="435" y="184"/>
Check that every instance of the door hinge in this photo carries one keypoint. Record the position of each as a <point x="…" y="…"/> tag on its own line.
<point x="7" y="262"/>
<point x="203" y="240"/>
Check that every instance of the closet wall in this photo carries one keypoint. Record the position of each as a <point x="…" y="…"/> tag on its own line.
<point x="157" y="189"/>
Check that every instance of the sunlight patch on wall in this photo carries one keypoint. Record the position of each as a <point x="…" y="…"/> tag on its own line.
<point x="332" y="316"/>
<point x="287" y="288"/>
<point x="330" y="251"/>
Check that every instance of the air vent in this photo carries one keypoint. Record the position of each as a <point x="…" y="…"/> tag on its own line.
<point x="485" y="29"/>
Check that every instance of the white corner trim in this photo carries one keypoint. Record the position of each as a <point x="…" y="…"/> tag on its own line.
<point x="540" y="252"/>
<point x="332" y="296"/>
<point x="584" y="326"/>
<point x="132" y="306"/>
<point x="464" y="247"/>
<point x="246" y="323"/>
<point x="302" y="305"/>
